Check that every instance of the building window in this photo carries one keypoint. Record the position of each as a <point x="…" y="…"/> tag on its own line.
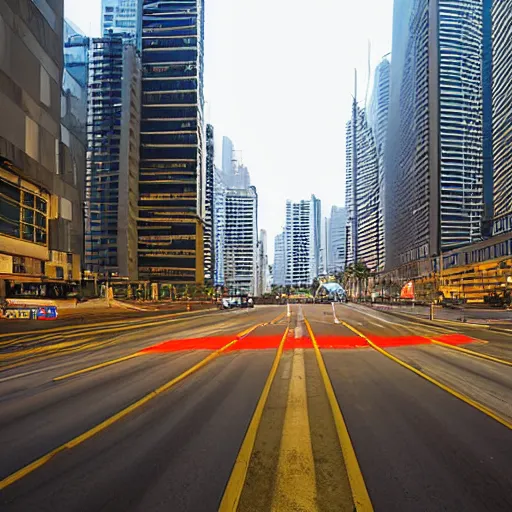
<point x="23" y="214"/>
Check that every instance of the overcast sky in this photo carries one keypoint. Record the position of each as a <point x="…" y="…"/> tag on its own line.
<point x="279" y="75"/>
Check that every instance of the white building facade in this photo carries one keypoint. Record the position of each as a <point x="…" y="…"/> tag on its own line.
<point x="241" y="241"/>
<point x="302" y="242"/>
<point x="279" y="268"/>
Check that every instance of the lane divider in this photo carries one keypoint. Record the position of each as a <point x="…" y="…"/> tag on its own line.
<point x="360" y="494"/>
<point x="430" y="379"/>
<point x="295" y="487"/>
<point x="97" y="366"/>
<point x="473" y="353"/>
<point x="21" y="473"/>
<point x="236" y="481"/>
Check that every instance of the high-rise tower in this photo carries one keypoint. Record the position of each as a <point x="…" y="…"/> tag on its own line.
<point x="434" y="152"/>
<point x="172" y="176"/>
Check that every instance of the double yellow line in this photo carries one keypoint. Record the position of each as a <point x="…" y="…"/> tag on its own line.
<point x="21" y="473"/>
<point x="307" y="494"/>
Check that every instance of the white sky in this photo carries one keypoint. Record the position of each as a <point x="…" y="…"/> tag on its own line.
<point x="279" y="75"/>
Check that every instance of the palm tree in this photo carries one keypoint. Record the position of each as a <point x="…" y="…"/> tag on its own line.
<point x="361" y="274"/>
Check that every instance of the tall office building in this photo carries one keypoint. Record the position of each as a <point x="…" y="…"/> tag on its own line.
<point x="219" y="226"/>
<point x="336" y="239"/>
<point x="434" y="151"/>
<point x="41" y="230"/>
<point x="120" y="17"/>
<point x="172" y="174"/>
<point x="302" y="241"/>
<point x="241" y="241"/>
<point x="363" y="229"/>
<point x="113" y="158"/>
<point x="279" y="267"/>
<point x="502" y="115"/>
<point x="208" y="242"/>
<point x="378" y="121"/>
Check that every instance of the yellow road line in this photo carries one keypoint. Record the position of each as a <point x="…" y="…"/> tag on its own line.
<point x="97" y="366"/>
<point x="142" y="320"/>
<point x="437" y="383"/>
<point x="472" y="352"/>
<point x="42" y="349"/>
<point x="14" y="477"/>
<point x="295" y="487"/>
<point x="360" y="494"/>
<point x="236" y="481"/>
<point x="63" y="352"/>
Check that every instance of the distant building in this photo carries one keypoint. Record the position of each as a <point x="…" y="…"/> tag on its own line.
<point x="263" y="286"/>
<point x="219" y="226"/>
<point x="279" y="267"/>
<point x="113" y="158"/>
<point x="337" y="238"/>
<point x="502" y="116"/>
<point x="41" y="229"/>
<point x="120" y="17"/>
<point x="172" y="166"/>
<point x="209" y="245"/>
<point x="241" y="241"/>
<point x="362" y="192"/>
<point x="228" y="159"/>
<point x="302" y="241"/>
<point x="434" y="151"/>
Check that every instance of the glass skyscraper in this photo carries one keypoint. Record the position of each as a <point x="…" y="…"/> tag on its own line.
<point x="434" y="154"/>
<point x="378" y="112"/>
<point x="362" y="192"/>
<point x="502" y="115"/>
<point x="172" y="174"/>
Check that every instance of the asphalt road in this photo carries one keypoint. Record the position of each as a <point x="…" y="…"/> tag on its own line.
<point x="418" y="446"/>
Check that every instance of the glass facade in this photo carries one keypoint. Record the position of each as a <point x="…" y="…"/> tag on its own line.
<point x="104" y="139"/>
<point x="363" y="207"/>
<point x="502" y="113"/>
<point x="378" y="112"/>
<point x="23" y="212"/>
<point x="434" y="155"/>
<point x="461" y="121"/>
<point x="171" y="179"/>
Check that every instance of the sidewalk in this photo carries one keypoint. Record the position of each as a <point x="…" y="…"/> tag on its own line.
<point x="497" y="318"/>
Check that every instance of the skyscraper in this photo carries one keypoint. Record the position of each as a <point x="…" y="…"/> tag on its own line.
<point x="362" y="192"/>
<point x="172" y="180"/>
<point x="279" y="268"/>
<point x="302" y="241"/>
<point x="502" y="115"/>
<point x="434" y="150"/>
<point x="120" y="17"/>
<point x="378" y="120"/>
<point x="336" y="239"/>
<point x="209" y="246"/>
<point x="219" y="226"/>
<point x="113" y="158"/>
<point x="241" y="241"/>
